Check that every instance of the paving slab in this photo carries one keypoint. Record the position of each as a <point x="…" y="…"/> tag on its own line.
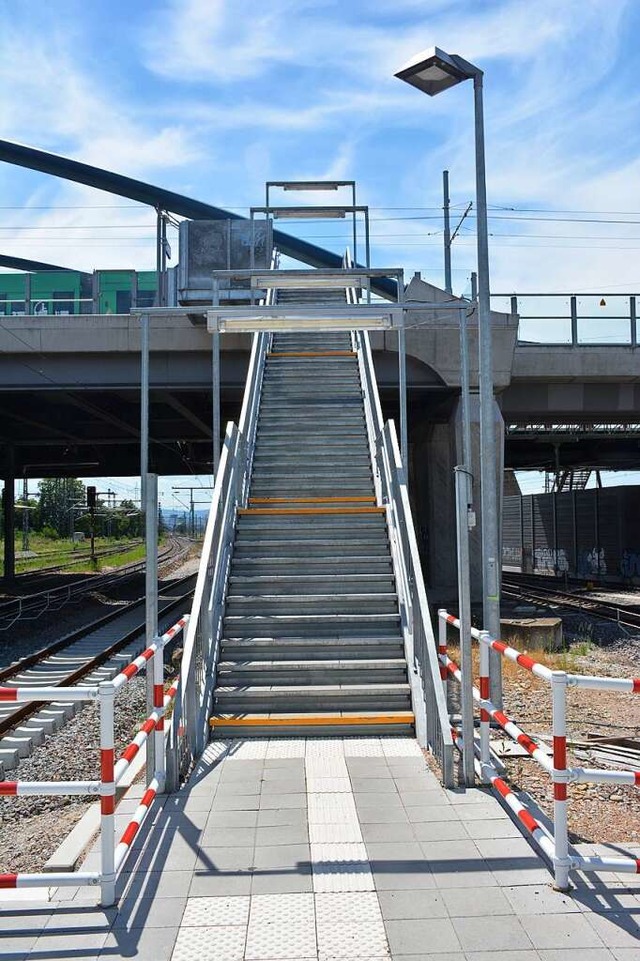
<point x="326" y="849"/>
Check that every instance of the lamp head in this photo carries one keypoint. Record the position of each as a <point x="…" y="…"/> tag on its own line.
<point x="433" y="71"/>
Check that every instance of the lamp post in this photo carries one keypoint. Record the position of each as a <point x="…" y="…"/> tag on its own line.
<point x="433" y="71"/>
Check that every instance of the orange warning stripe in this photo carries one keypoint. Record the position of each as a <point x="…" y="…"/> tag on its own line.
<point x="312" y="353"/>
<point x="311" y="500"/>
<point x="312" y="720"/>
<point x="311" y="510"/>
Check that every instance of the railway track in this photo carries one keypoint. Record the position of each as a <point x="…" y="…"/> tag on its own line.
<point x="93" y="654"/>
<point x="551" y="596"/>
<point x="33" y="606"/>
<point x="78" y="558"/>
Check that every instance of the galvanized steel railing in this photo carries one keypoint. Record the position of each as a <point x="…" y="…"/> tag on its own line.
<point x="190" y="721"/>
<point x="429" y="706"/>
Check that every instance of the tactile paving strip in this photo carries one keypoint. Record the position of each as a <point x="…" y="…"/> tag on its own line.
<point x="400" y="747"/>
<point x="335" y="833"/>
<point x="249" y="750"/>
<point x="221" y="943"/>
<point x="328" y="785"/>
<point x="281" y="926"/>
<point x="285" y="748"/>
<point x="348" y="907"/>
<point x="351" y="940"/>
<point x="362" y="747"/>
<point x="332" y="809"/>
<point x="206" y="912"/>
<point x="340" y="867"/>
<point x="324" y="747"/>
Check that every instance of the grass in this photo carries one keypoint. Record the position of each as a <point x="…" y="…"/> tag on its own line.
<point x="51" y="553"/>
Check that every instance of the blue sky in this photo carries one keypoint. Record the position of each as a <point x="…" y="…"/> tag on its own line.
<point x="213" y="97"/>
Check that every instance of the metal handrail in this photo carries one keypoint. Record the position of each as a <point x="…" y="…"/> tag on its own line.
<point x="190" y="720"/>
<point x="429" y="706"/>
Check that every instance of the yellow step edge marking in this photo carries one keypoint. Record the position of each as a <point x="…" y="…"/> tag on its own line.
<point x="311" y="510"/>
<point x="311" y="720"/>
<point x="312" y="500"/>
<point x="311" y="353"/>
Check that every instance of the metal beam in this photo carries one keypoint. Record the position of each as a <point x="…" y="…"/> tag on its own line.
<point x="102" y="414"/>
<point x="185" y="412"/>
<point x="32" y="266"/>
<point x="144" y="193"/>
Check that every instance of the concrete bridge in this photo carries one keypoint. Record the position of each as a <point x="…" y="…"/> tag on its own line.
<point x="69" y="400"/>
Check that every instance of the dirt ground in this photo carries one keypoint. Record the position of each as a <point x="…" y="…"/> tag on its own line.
<point x="597" y="813"/>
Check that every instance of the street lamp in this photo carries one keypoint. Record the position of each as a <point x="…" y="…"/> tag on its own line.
<point x="433" y="71"/>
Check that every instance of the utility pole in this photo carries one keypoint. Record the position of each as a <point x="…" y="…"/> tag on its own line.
<point x="192" y="515"/>
<point x="447" y="233"/>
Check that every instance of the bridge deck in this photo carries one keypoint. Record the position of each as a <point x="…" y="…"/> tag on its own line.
<point x="329" y="849"/>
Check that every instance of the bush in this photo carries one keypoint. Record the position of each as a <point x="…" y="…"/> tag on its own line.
<point x="49" y="532"/>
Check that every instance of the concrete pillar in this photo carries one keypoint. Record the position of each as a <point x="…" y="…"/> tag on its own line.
<point x="437" y="449"/>
<point x="9" y="518"/>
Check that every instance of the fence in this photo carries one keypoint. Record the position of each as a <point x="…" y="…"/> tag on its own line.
<point x="112" y="856"/>
<point x="573" y="319"/>
<point x="554" y="845"/>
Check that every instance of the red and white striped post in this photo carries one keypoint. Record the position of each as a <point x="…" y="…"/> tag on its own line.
<point x="158" y="705"/>
<point x="442" y="649"/>
<point x="485" y="717"/>
<point x="107" y="794"/>
<point x="561" y="861"/>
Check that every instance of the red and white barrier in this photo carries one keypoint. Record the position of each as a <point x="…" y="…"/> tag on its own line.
<point x="112" y="857"/>
<point x="556" y="847"/>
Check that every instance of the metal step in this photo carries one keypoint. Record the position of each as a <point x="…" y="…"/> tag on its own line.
<point x="320" y="625"/>
<point x="312" y="672"/>
<point x="311" y="698"/>
<point x="339" y="648"/>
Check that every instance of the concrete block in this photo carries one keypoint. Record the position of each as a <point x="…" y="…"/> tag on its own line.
<point x="533" y="633"/>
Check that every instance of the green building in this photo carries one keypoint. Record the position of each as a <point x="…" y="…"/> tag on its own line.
<point x="73" y="292"/>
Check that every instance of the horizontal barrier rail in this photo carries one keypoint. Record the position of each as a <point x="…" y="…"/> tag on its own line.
<point x="576" y="320"/>
<point x="112" y="856"/>
<point x="555" y="847"/>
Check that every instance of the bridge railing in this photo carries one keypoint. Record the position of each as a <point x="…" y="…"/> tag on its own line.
<point x="429" y="705"/>
<point x="576" y="320"/>
<point x="554" y="845"/>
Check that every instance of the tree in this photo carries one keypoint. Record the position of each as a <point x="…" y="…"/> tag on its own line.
<point x="56" y="497"/>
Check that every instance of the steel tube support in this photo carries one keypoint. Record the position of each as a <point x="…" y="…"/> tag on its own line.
<point x="462" y="479"/>
<point x="562" y="861"/>
<point x="215" y="400"/>
<point x="489" y="486"/>
<point x="108" y="795"/>
<point x="144" y="404"/>
<point x="9" y="517"/>
<point x="442" y="650"/>
<point x="447" y="233"/>
<point x="151" y="598"/>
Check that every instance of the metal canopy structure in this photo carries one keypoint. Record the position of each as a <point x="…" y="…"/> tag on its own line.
<point x="157" y="197"/>
<point x="31" y="266"/>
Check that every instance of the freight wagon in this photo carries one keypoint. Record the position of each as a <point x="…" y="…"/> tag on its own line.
<point x="589" y="534"/>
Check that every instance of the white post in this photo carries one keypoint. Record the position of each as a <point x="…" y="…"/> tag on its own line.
<point x="107" y="795"/>
<point x="562" y="861"/>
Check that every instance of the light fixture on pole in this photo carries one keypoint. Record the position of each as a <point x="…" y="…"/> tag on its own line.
<point x="433" y="71"/>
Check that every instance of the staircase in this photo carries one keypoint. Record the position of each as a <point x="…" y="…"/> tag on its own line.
<point x="312" y="640"/>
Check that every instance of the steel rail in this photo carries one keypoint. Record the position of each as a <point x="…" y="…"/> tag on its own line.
<point x="22" y="713"/>
<point x="621" y="614"/>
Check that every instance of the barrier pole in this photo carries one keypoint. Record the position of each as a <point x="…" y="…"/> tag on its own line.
<point x="485" y="717"/>
<point x="462" y="486"/>
<point x="108" y="795"/>
<point x="151" y="600"/>
<point x="158" y="703"/>
<point x="442" y="649"/>
<point x="561" y="861"/>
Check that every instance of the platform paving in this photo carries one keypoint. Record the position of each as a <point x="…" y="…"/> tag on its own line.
<point x="323" y="850"/>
